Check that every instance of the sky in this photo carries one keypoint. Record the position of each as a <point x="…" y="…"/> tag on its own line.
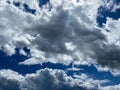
<point x="59" y="45"/>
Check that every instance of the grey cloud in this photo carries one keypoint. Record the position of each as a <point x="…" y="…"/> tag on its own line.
<point x="49" y="80"/>
<point x="64" y="27"/>
<point x="52" y="33"/>
<point x="8" y="84"/>
<point x="55" y="28"/>
<point x="108" y="55"/>
<point x="45" y="79"/>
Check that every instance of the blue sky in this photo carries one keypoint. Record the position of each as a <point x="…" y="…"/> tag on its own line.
<point x="52" y="46"/>
<point x="107" y="13"/>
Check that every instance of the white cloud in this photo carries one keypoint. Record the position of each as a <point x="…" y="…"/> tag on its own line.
<point x="74" y="69"/>
<point x="52" y="41"/>
<point x="113" y="87"/>
<point x="9" y="74"/>
<point x="111" y="5"/>
<point x="9" y="49"/>
<point x="22" y="52"/>
<point x="45" y="79"/>
<point x="47" y="33"/>
<point x="70" y="46"/>
<point x="85" y="80"/>
<point x="66" y="34"/>
<point x="114" y="34"/>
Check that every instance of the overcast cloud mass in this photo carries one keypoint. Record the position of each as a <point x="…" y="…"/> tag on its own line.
<point x="61" y="31"/>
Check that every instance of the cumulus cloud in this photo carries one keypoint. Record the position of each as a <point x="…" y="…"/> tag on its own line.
<point x="53" y="37"/>
<point x="47" y="79"/>
<point x="8" y="84"/>
<point x="10" y="80"/>
<point x="68" y="33"/>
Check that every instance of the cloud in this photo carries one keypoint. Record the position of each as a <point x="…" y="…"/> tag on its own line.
<point x="10" y="80"/>
<point x="46" y="34"/>
<point x="62" y="35"/>
<point x="49" y="79"/>
<point x="66" y="34"/>
<point x="44" y="79"/>
<point x="111" y="5"/>
<point x="113" y="87"/>
<point x="8" y="84"/>
<point x="52" y="29"/>
<point x="109" y="56"/>
<point x="89" y="82"/>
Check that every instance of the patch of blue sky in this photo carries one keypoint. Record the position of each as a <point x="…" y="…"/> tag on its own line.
<point x="101" y="75"/>
<point x="103" y="13"/>
<point x="43" y="2"/>
<point x="26" y="7"/>
<point x="17" y="4"/>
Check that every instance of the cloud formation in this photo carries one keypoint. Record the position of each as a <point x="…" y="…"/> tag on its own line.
<point x="62" y="35"/>
<point x="68" y="33"/>
<point x="47" y="79"/>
